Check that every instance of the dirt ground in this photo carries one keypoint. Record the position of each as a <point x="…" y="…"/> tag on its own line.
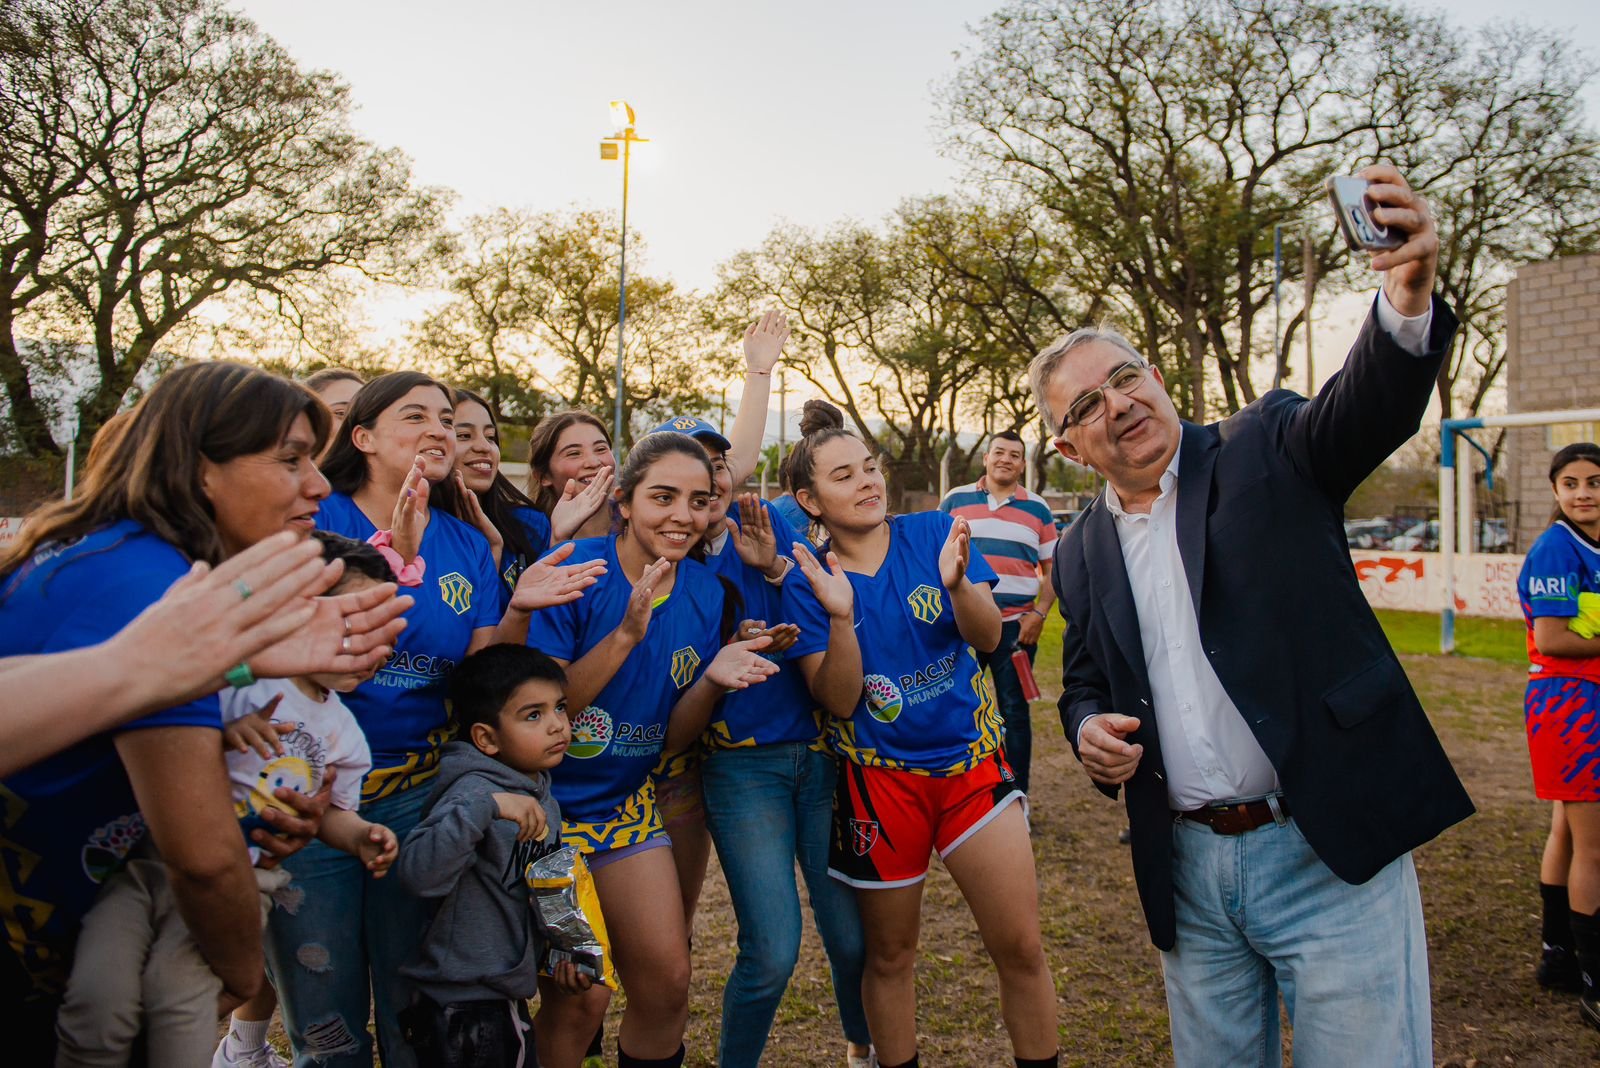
<point x="1479" y="887"/>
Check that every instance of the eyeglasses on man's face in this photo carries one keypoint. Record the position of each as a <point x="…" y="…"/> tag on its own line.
<point x="1092" y="405"/>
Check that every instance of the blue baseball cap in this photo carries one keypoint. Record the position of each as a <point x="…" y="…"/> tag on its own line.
<point x="698" y="429"/>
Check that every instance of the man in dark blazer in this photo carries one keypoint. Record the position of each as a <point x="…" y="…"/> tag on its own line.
<point x="1222" y="666"/>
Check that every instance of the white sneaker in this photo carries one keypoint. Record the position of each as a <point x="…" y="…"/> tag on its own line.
<point x="869" y="1061"/>
<point x="265" y="1057"/>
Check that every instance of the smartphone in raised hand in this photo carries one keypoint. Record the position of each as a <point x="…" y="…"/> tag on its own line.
<point x="1353" y="208"/>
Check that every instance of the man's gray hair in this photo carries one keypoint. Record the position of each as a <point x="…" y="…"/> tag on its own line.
<point x="1044" y="365"/>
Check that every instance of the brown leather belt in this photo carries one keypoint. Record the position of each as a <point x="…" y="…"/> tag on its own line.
<point x="1237" y="819"/>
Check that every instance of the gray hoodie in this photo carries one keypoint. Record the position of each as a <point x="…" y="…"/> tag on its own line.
<point x="484" y="939"/>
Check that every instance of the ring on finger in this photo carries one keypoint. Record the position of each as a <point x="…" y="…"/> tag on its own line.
<point x="347" y="626"/>
<point x="243" y="589"/>
<point x="344" y="645"/>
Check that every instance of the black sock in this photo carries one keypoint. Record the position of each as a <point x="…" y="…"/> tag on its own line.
<point x="1556" y="930"/>
<point x="597" y="1044"/>
<point x="1586" y="940"/>
<point x="1052" y="1061"/>
<point x="626" y="1060"/>
<point x="912" y="1063"/>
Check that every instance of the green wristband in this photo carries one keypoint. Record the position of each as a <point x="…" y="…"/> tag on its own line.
<point x="239" y="676"/>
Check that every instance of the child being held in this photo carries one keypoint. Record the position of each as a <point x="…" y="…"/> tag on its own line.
<point x="136" y="968"/>
<point x="289" y="733"/>
<point x="490" y="814"/>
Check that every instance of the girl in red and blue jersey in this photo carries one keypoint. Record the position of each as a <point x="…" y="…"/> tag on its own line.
<point x="886" y="636"/>
<point x="1560" y="580"/>
<point x="646" y="664"/>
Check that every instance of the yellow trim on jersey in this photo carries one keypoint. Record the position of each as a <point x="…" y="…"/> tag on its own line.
<point x="841" y="736"/>
<point x="417" y="769"/>
<point x="634" y="821"/>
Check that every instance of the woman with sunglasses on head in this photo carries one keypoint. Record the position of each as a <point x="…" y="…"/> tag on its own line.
<point x="1560" y="592"/>
<point x="391" y="464"/>
<point x="216" y="458"/>
<point x="886" y="636"/>
<point x="647" y="658"/>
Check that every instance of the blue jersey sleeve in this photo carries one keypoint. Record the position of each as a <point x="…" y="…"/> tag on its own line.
<point x="486" y="611"/>
<point x="536" y="525"/>
<point x="801" y="607"/>
<point x="556" y="631"/>
<point x="1551" y="576"/>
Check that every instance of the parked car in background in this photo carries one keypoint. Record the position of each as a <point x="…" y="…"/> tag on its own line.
<point x="1418" y="538"/>
<point x="1369" y="533"/>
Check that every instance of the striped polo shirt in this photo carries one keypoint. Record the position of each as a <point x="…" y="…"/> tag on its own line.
<point x="1012" y="534"/>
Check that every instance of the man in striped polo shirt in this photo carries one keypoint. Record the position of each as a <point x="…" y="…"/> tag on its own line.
<point x="1016" y="535"/>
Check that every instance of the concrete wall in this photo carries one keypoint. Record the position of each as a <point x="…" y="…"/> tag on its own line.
<point x="1553" y="337"/>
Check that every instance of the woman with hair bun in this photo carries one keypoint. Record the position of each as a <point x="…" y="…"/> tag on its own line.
<point x="1560" y="592"/>
<point x="887" y="631"/>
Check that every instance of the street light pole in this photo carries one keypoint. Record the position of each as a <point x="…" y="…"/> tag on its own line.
<point x="622" y="114"/>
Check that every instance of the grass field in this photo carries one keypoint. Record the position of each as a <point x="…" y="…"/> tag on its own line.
<point x="1478" y="879"/>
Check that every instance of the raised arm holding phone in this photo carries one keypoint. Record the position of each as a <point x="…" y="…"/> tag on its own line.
<point x="1247" y="739"/>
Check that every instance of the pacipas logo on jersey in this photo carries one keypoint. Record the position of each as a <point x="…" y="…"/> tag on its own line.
<point x="684" y="663"/>
<point x="591" y="733"/>
<point x="456" y="592"/>
<point x="883" y="698"/>
<point x="926" y="603"/>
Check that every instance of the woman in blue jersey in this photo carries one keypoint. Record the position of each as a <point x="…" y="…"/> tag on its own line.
<point x="886" y="631"/>
<point x="217" y="457"/>
<point x="517" y="531"/>
<point x="646" y="662"/>
<point x="571" y="472"/>
<point x="1560" y="592"/>
<point x="768" y="788"/>
<point x="340" y="949"/>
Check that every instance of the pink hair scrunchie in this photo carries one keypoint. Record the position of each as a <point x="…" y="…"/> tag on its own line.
<point x="406" y="574"/>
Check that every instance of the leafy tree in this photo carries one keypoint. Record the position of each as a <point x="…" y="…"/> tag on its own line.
<point x="159" y="153"/>
<point x="532" y="322"/>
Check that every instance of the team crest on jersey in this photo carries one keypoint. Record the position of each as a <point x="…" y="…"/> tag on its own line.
<point x="456" y="591"/>
<point x="103" y="853"/>
<point x="926" y="603"/>
<point x="684" y="663"/>
<point x="684" y="423"/>
<point x="863" y="836"/>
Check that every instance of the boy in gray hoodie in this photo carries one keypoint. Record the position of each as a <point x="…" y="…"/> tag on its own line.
<point x="489" y="816"/>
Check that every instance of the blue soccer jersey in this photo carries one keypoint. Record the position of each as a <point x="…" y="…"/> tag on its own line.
<point x="619" y="738"/>
<point x="780" y="709"/>
<point x="927" y="705"/>
<point x="402" y="708"/>
<point x="1561" y="565"/>
<point x="536" y="526"/>
<point x="69" y="821"/>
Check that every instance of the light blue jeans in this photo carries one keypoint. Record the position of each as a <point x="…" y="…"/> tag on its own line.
<point x="766" y="807"/>
<point x="335" y="944"/>
<point x="1259" y="913"/>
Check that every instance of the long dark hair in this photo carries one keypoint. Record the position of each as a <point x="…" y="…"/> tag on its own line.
<point x="641" y="458"/>
<point x="147" y="467"/>
<point x="346" y="467"/>
<point x="1578" y="450"/>
<point x="542" y="446"/>
<point x="501" y="496"/>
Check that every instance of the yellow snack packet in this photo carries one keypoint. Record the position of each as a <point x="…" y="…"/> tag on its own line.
<point x="564" y="897"/>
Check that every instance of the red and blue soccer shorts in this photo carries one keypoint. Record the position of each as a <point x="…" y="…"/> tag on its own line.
<point x="1562" y="716"/>
<point x="887" y="823"/>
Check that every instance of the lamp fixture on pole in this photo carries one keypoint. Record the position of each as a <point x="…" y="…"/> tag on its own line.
<point x="620" y="144"/>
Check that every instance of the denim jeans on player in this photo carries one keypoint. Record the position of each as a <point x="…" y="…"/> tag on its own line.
<point x="1013" y="706"/>
<point x="766" y="807"/>
<point x="335" y="944"/>
<point x="1259" y="913"/>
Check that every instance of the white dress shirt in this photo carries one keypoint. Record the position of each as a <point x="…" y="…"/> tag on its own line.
<point x="1209" y="753"/>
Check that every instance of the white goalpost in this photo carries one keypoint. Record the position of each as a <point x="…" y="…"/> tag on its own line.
<point x="1455" y="494"/>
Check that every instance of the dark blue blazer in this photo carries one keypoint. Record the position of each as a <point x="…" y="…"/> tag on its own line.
<point x="1282" y="620"/>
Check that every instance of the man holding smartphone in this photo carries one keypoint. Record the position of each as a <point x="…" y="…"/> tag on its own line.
<point x="1014" y="532"/>
<point x="1222" y="666"/>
